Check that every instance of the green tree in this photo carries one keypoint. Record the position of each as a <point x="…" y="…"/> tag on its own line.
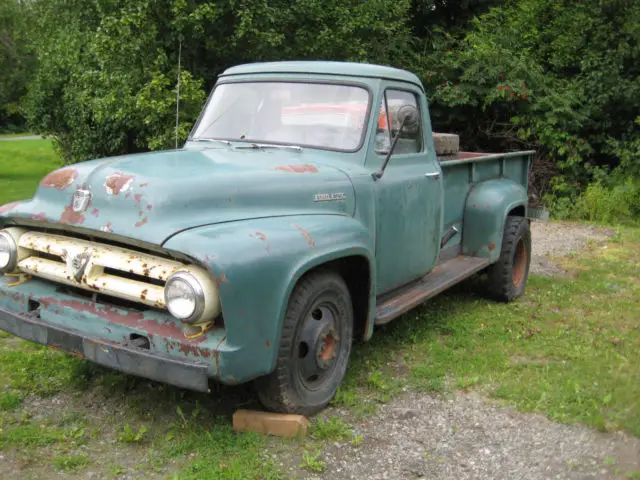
<point x="558" y="75"/>
<point x="107" y="69"/>
<point x="16" y="63"/>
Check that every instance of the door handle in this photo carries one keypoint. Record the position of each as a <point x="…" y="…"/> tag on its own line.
<point x="434" y="175"/>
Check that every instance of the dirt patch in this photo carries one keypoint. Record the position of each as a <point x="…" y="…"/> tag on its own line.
<point x="466" y="436"/>
<point x="558" y="239"/>
<point x="102" y="411"/>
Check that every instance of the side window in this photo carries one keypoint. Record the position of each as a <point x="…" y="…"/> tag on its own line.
<point x="383" y="141"/>
<point x="410" y="140"/>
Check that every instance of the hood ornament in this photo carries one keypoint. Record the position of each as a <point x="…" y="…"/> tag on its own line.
<point x="77" y="263"/>
<point x="81" y="199"/>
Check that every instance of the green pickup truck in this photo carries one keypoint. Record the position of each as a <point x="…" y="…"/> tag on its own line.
<point x="310" y="204"/>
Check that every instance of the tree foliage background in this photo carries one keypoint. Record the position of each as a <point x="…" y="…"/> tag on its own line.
<point x="559" y="76"/>
<point x="16" y="63"/>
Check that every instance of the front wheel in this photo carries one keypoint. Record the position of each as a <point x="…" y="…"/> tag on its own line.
<point x="314" y="347"/>
<point x="508" y="276"/>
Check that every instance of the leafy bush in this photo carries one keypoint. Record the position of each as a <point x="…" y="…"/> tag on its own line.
<point x="543" y="73"/>
<point x="601" y="203"/>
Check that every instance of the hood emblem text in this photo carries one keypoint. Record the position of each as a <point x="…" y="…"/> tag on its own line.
<point x="81" y="199"/>
<point x="328" y="197"/>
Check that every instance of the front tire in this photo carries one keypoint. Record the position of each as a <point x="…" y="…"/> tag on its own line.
<point x="314" y="348"/>
<point x="508" y="276"/>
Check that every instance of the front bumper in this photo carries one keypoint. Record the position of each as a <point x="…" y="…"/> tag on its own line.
<point x="135" y="361"/>
<point x="41" y="312"/>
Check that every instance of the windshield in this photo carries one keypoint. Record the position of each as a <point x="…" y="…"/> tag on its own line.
<point x="287" y="113"/>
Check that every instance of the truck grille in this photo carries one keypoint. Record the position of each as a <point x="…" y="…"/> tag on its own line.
<point x="105" y="269"/>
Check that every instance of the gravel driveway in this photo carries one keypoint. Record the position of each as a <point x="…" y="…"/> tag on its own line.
<point x="555" y="239"/>
<point x="466" y="436"/>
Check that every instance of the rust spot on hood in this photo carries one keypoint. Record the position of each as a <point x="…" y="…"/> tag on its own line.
<point x="71" y="217"/>
<point x="142" y="222"/>
<point x="95" y="212"/>
<point x="304" y="168"/>
<point x="60" y="179"/>
<point x="40" y="217"/>
<point x="8" y="207"/>
<point x="261" y="236"/>
<point x="107" y="228"/>
<point x="306" y="234"/>
<point x="117" y="183"/>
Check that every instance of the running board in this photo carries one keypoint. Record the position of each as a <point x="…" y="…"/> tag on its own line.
<point x="439" y="279"/>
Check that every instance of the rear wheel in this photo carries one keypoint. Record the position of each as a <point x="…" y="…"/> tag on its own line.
<point x="314" y="348"/>
<point x="508" y="276"/>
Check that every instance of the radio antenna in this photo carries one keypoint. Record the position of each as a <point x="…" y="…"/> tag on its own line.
<point x="178" y="93"/>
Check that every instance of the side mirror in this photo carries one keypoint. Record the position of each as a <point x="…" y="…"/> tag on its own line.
<point x="408" y="116"/>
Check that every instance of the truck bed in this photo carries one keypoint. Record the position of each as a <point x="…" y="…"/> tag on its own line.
<point x="465" y="169"/>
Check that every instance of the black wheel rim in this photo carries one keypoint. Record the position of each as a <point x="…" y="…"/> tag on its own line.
<point x="318" y="345"/>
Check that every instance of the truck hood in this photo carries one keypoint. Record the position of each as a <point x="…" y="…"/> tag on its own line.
<point x="150" y="197"/>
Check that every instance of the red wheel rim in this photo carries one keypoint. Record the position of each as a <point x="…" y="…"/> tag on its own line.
<point x="519" y="264"/>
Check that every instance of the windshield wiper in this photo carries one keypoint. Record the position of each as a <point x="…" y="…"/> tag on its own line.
<point x="261" y="146"/>
<point x="226" y="142"/>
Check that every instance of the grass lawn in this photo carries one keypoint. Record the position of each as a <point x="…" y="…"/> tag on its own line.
<point x="570" y="349"/>
<point x="22" y="164"/>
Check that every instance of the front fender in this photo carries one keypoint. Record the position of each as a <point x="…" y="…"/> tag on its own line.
<point x="486" y="210"/>
<point x="256" y="264"/>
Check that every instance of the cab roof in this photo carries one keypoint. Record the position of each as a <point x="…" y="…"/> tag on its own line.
<point x="350" y="69"/>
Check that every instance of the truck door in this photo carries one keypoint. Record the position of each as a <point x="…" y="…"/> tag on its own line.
<point x="409" y="194"/>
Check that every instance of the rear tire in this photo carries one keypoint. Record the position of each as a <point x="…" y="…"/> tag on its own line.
<point x="314" y="347"/>
<point x="508" y="276"/>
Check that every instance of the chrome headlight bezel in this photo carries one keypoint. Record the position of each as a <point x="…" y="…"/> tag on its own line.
<point x="198" y="294"/>
<point x="205" y="291"/>
<point x="13" y="252"/>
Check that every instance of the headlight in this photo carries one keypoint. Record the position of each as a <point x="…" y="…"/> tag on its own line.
<point x="191" y="295"/>
<point x="8" y="252"/>
<point x="184" y="297"/>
